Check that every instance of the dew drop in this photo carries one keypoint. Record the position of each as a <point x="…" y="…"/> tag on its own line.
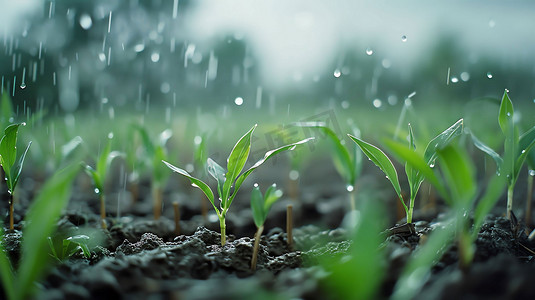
<point x="97" y="191"/>
<point x="369" y="51"/>
<point x="238" y="101"/>
<point x="255" y="185"/>
<point x="337" y="73"/>
<point x="432" y="165"/>
<point x="404" y="38"/>
<point x="23" y="124"/>
<point x="531" y="172"/>
<point x="350" y="188"/>
<point x="293" y="147"/>
<point x="523" y="151"/>
<point x="489" y="75"/>
<point x="508" y="114"/>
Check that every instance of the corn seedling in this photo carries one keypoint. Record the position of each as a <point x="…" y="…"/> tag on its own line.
<point x="260" y="205"/>
<point x="40" y="223"/>
<point x="414" y="176"/>
<point x="69" y="247"/>
<point x="156" y="153"/>
<point x="11" y="166"/>
<point x="229" y="182"/>
<point x="98" y="175"/>
<point x="516" y="148"/>
<point x="348" y="165"/>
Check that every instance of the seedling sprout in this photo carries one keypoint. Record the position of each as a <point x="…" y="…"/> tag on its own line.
<point x="229" y="182"/>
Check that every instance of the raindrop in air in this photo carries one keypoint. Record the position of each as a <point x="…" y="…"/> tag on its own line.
<point x="465" y="76"/>
<point x="197" y="140"/>
<point x="102" y="57"/>
<point x="345" y="104"/>
<point x="404" y="38"/>
<point x="377" y="103"/>
<point x="294" y="175"/>
<point x="454" y="79"/>
<point x="369" y="51"/>
<point x="337" y="73"/>
<point x="238" y="101"/>
<point x="350" y="188"/>
<point x="97" y="191"/>
<point x="85" y="21"/>
<point x="139" y="47"/>
<point x="155" y="57"/>
<point x="23" y="85"/>
<point x="110" y="135"/>
<point x="489" y="75"/>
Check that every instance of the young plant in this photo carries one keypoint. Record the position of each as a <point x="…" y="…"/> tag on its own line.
<point x="348" y="165"/>
<point x="41" y="221"/>
<point x="415" y="177"/>
<point x="516" y="148"/>
<point x="260" y="205"/>
<point x="11" y="166"/>
<point x="230" y="181"/>
<point x="98" y="175"/>
<point x="69" y="247"/>
<point x="156" y="153"/>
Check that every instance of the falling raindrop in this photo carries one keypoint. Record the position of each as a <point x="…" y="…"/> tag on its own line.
<point x="175" y="9"/>
<point x="102" y="57"/>
<point x="377" y="103"/>
<point x="492" y="23"/>
<point x="465" y="76"/>
<point x="294" y="175"/>
<point x="337" y="73"/>
<point x="404" y="38"/>
<point x="139" y="47"/>
<point x="345" y="104"/>
<point x="454" y="79"/>
<point x="369" y="51"/>
<point x="155" y="57"/>
<point x="238" y="101"/>
<point x="489" y="75"/>
<point x="350" y="188"/>
<point x="109" y="23"/>
<point x="85" y="21"/>
<point x="165" y="87"/>
<point x="23" y="85"/>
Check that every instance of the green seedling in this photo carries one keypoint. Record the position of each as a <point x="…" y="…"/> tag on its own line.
<point x="156" y="153"/>
<point x="516" y="148"/>
<point x="348" y="165"/>
<point x="260" y="205"/>
<point x="359" y="275"/>
<point x="41" y="221"/>
<point x="229" y="182"/>
<point x="11" y="166"/>
<point x="98" y="175"/>
<point x="69" y="247"/>
<point x="415" y="177"/>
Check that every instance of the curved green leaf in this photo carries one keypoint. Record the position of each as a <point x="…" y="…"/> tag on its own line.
<point x="257" y="206"/>
<point x="18" y="168"/>
<point x="483" y="147"/>
<point x="442" y="140"/>
<point x="271" y="196"/>
<point x="526" y="145"/>
<point x="195" y="182"/>
<point x="506" y="112"/>
<point x="218" y="173"/>
<point x="8" y="150"/>
<point x="382" y="161"/>
<point x="267" y="156"/>
<point x="459" y="174"/>
<point x="235" y="163"/>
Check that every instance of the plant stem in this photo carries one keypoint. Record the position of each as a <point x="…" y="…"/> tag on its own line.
<point x="352" y="200"/>
<point x="411" y="209"/>
<point x="157" y="198"/>
<point x="256" y="245"/>
<point x="11" y="212"/>
<point x="510" y="190"/>
<point x="103" y="211"/>
<point x="289" y="225"/>
<point x="223" y="228"/>
<point x="528" y="200"/>
<point x="177" y="217"/>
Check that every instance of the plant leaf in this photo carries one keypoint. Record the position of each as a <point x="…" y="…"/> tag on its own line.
<point x="8" y="151"/>
<point x="483" y="147"/>
<point x="18" y="167"/>
<point x="271" y="196"/>
<point x="40" y="223"/>
<point x="414" y="178"/>
<point x="459" y="175"/>
<point x="382" y="161"/>
<point x="506" y="112"/>
<point x="195" y="182"/>
<point x="218" y="173"/>
<point x="267" y="156"/>
<point x="442" y="140"/>
<point x="526" y="144"/>
<point x="257" y="206"/>
<point x="235" y="163"/>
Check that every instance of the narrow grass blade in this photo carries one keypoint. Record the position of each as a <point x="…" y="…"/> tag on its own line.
<point x="382" y="161"/>
<point x="17" y="168"/>
<point x="441" y="141"/>
<point x="413" y="176"/>
<point x="41" y="223"/>
<point x="270" y="197"/>
<point x="483" y="147"/>
<point x="235" y="163"/>
<point x="195" y="182"/>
